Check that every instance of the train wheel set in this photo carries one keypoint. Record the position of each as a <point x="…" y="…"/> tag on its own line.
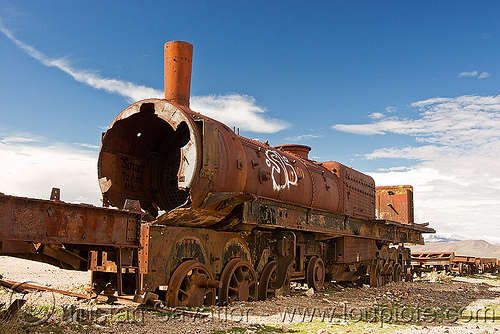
<point x="194" y="284"/>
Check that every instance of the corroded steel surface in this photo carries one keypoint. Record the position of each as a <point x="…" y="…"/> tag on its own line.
<point x="448" y="261"/>
<point x="181" y="157"/>
<point x="178" y="58"/>
<point x="53" y="222"/>
<point x="433" y="258"/>
<point x="395" y="203"/>
<point x="272" y="214"/>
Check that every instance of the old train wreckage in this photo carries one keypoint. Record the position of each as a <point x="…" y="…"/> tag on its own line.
<point x="448" y="262"/>
<point x="208" y="216"/>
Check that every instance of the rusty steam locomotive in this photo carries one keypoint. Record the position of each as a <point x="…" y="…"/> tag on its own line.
<point x="212" y="217"/>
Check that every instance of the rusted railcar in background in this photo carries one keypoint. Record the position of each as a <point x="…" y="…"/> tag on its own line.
<point x="487" y="264"/>
<point x="431" y="261"/>
<point x="464" y="265"/>
<point x="449" y="262"/>
<point x="210" y="216"/>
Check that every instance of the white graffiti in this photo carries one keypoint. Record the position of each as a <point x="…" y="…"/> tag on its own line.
<point x="282" y="173"/>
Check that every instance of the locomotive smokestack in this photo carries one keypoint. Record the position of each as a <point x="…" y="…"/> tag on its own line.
<point x="178" y="62"/>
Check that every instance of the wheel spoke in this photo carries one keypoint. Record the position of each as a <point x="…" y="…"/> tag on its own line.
<point x="237" y="282"/>
<point x="239" y="275"/>
<point x="183" y="289"/>
<point x="183" y="292"/>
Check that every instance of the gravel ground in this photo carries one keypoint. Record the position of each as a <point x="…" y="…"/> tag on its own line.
<point x="416" y="307"/>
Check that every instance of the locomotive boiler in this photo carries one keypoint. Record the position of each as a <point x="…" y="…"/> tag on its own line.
<point x="211" y="217"/>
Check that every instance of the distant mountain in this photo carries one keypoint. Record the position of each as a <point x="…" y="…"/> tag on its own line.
<point x="478" y="248"/>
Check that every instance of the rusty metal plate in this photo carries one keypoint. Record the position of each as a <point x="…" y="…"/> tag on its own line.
<point x="51" y="222"/>
<point x="395" y="203"/>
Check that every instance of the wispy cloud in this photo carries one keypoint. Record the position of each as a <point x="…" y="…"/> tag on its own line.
<point x="485" y="36"/>
<point x="130" y="91"/>
<point x="362" y="129"/>
<point x="17" y="139"/>
<point x="393" y="169"/>
<point x="474" y="74"/>
<point x="456" y="140"/>
<point x="235" y="110"/>
<point x="376" y="115"/>
<point x="465" y="121"/>
<point x="85" y="145"/>
<point x="301" y="137"/>
<point x="467" y="74"/>
<point x="483" y="75"/>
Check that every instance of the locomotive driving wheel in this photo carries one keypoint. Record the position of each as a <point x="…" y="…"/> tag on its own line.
<point x="238" y="282"/>
<point x="191" y="285"/>
<point x="376" y="278"/>
<point x="315" y="276"/>
<point x="397" y="273"/>
<point x="267" y="278"/>
<point x="388" y="273"/>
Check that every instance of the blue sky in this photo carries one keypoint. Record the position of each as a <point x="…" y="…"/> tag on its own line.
<point x="405" y="91"/>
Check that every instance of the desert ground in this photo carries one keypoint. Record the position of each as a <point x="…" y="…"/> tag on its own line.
<point x="435" y="303"/>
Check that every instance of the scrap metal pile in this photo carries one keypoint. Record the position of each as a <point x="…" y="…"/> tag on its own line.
<point x="209" y="216"/>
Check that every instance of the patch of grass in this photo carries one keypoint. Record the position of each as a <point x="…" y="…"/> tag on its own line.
<point x="256" y="329"/>
<point x="125" y="316"/>
<point x="344" y="327"/>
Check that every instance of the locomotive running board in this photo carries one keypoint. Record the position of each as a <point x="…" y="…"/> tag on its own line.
<point x="272" y="214"/>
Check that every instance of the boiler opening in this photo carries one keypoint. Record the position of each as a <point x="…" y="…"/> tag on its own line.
<point x="141" y="155"/>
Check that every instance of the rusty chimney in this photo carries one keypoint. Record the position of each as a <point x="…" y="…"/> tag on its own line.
<point x="299" y="150"/>
<point x="178" y="61"/>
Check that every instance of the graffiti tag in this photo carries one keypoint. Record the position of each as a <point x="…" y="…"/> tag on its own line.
<point x="282" y="172"/>
<point x="133" y="174"/>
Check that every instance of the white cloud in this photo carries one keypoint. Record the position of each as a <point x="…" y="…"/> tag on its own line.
<point x="461" y="122"/>
<point x="235" y="110"/>
<point x="467" y="74"/>
<point x="376" y="115"/>
<point x="484" y="75"/>
<point x="393" y="169"/>
<point x="360" y="129"/>
<point x="31" y="167"/>
<point x="457" y="185"/>
<point x="301" y="137"/>
<point x="85" y="145"/>
<point x="17" y="139"/>
<point x="474" y="74"/>
<point x="126" y="89"/>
